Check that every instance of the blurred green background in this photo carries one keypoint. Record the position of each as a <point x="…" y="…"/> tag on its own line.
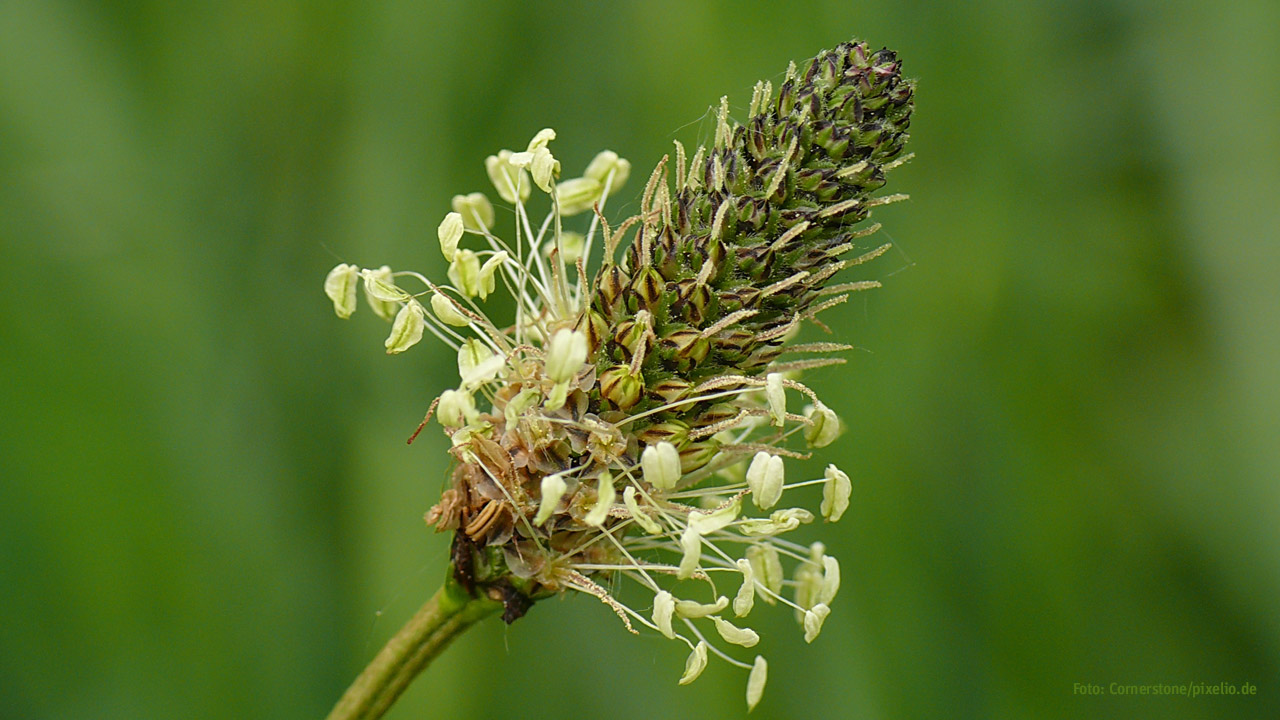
<point x="1064" y="414"/>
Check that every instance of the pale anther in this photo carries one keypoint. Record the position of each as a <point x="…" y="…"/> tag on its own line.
<point x="340" y="286"/>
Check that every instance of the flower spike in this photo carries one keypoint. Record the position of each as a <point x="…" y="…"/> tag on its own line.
<point x="653" y="368"/>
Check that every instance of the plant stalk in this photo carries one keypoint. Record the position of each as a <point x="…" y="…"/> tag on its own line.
<point x="444" y="617"/>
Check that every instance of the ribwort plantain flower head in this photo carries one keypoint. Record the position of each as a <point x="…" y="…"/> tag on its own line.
<point x="637" y="420"/>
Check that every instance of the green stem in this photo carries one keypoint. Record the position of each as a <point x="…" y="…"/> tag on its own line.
<point x="445" y="616"/>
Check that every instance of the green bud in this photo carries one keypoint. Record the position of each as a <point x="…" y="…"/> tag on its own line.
<point x="715" y="414"/>
<point x="693" y="300"/>
<point x="686" y="348"/>
<point x="647" y="287"/>
<point x="594" y="326"/>
<point x="671" y="389"/>
<point x="670" y="431"/>
<point x="613" y="283"/>
<point x="629" y="334"/>
<point x="620" y="387"/>
<point x="697" y="455"/>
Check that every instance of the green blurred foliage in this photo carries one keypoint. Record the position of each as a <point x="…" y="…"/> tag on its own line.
<point x="1062" y="422"/>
